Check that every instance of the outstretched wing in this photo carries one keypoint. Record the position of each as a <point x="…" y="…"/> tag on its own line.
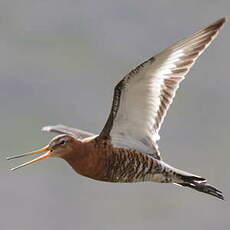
<point x="142" y="98"/>
<point x="62" y="129"/>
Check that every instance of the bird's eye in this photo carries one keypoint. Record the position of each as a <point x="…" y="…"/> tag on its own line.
<point x="62" y="142"/>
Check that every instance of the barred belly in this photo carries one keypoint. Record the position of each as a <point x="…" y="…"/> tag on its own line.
<point x="133" y="166"/>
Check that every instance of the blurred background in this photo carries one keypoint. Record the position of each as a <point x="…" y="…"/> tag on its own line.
<point x="59" y="62"/>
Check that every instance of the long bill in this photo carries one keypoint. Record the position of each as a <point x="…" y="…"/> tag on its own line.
<point x="46" y="155"/>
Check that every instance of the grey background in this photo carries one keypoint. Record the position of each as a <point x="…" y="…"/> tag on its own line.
<point x="59" y="62"/>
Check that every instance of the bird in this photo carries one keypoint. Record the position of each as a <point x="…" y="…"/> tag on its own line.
<point x="126" y="149"/>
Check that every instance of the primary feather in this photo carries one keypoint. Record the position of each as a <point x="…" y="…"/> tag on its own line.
<point x="142" y="98"/>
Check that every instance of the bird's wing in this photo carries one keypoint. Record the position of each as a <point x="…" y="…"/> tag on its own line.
<point x="62" y="129"/>
<point x="142" y="98"/>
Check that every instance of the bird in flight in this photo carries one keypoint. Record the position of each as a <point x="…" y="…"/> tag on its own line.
<point x="126" y="149"/>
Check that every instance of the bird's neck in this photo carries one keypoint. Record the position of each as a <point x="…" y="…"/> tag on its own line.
<point x="76" y="153"/>
<point x="85" y="159"/>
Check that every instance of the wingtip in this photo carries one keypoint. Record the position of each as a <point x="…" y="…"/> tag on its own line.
<point x="46" y="128"/>
<point x="217" y="25"/>
<point x="220" y="22"/>
<point x="224" y="19"/>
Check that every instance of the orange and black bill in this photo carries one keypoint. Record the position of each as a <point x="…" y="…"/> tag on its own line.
<point x="45" y="155"/>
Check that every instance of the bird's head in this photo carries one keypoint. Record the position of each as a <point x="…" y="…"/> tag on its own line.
<point x="58" y="147"/>
<point x="61" y="145"/>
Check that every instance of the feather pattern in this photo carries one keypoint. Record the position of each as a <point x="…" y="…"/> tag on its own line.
<point x="62" y="129"/>
<point x="142" y="98"/>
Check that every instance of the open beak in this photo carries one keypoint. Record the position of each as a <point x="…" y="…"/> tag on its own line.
<point x="45" y="155"/>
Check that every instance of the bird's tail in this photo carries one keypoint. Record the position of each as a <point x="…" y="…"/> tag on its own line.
<point x="199" y="184"/>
